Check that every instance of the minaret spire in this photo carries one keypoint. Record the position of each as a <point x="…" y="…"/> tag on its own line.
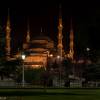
<point x="41" y="30"/>
<point x="8" y="38"/>
<point x="28" y="32"/>
<point x="71" y="51"/>
<point x="60" y="36"/>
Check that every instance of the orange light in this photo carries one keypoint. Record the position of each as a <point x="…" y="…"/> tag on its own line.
<point x="36" y="61"/>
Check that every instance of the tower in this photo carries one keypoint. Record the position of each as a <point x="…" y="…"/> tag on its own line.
<point x="26" y="43"/>
<point x="8" y="38"/>
<point x="28" y="33"/>
<point x="71" y="44"/>
<point x="60" y="36"/>
<point x="41" y="32"/>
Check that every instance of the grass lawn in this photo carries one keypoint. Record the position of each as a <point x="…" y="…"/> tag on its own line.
<point x="62" y="97"/>
<point x="50" y="94"/>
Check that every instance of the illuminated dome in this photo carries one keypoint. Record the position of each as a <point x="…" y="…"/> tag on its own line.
<point x="41" y="43"/>
<point x="38" y="49"/>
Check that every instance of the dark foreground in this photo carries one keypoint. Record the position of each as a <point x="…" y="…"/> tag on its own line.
<point x="50" y="94"/>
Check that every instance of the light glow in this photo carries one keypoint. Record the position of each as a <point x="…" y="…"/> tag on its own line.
<point x="23" y="56"/>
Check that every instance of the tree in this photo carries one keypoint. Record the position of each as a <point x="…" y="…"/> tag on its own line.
<point x="10" y="69"/>
<point x="67" y="65"/>
<point x="92" y="72"/>
<point x="2" y="43"/>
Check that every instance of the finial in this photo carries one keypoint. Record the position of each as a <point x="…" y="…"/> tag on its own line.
<point x="8" y="13"/>
<point x="28" y="32"/>
<point x="41" y="30"/>
<point x="71" y="24"/>
<point x="28" y="29"/>
<point x="8" y="18"/>
<point x="60" y="6"/>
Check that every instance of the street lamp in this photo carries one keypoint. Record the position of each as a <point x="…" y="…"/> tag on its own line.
<point x="23" y="57"/>
<point x="87" y="49"/>
<point x="51" y="55"/>
<point x="59" y="61"/>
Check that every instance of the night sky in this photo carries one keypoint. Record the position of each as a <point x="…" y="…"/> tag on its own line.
<point x="85" y="16"/>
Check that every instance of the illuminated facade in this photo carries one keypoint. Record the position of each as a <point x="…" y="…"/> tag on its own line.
<point x="37" y="49"/>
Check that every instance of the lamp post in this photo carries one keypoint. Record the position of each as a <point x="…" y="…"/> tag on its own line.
<point x="88" y="50"/>
<point x="23" y="80"/>
<point x="59" y="58"/>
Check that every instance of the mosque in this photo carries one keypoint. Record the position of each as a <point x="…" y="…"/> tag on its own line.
<point x="40" y="48"/>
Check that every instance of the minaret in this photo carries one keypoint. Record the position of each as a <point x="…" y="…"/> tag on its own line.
<point x="8" y="38"/>
<point x="71" y="51"/>
<point x="41" y="32"/>
<point x="25" y="44"/>
<point x="28" y="33"/>
<point x="60" y="36"/>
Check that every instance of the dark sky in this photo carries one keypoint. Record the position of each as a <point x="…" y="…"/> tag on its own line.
<point x="85" y="16"/>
